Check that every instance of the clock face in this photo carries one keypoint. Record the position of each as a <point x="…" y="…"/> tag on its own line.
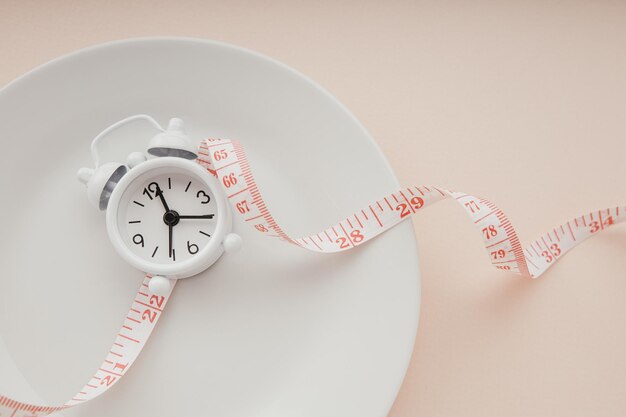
<point x="167" y="218"/>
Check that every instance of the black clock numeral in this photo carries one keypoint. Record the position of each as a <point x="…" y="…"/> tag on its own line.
<point x="151" y="189"/>
<point x="192" y="248"/>
<point x="154" y="187"/>
<point x="138" y="240"/>
<point x="146" y="192"/>
<point x="205" y="195"/>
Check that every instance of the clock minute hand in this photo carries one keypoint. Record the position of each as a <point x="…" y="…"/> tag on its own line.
<point x="171" y="233"/>
<point x="203" y="216"/>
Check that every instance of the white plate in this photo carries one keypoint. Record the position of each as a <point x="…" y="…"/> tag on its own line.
<point x="273" y="330"/>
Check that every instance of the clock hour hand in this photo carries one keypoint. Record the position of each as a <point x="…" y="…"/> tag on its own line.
<point x="159" y="193"/>
<point x="203" y="216"/>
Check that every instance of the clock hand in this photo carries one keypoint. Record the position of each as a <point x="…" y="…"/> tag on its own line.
<point x="171" y="232"/>
<point x="204" y="216"/>
<point x="160" y="194"/>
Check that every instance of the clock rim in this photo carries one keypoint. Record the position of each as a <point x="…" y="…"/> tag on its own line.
<point x="184" y="269"/>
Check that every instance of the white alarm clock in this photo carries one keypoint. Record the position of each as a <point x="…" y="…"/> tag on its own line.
<point x="167" y="215"/>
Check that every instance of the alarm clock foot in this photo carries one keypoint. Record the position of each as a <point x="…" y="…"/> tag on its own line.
<point x="232" y="243"/>
<point x="159" y="285"/>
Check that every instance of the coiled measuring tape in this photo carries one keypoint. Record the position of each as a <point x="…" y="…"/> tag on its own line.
<point x="227" y="160"/>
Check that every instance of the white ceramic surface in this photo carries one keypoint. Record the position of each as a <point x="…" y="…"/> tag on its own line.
<point x="271" y="331"/>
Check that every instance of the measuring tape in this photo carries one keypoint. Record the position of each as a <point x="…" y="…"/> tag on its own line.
<point x="129" y="342"/>
<point x="227" y="160"/>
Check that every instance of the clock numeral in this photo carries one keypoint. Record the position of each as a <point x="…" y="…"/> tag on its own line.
<point x="192" y="248"/>
<point x="152" y="188"/>
<point x="138" y="240"/>
<point x="205" y="195"/>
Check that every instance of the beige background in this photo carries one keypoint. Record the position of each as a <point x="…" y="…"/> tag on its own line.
<point x="521" y="102"/>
